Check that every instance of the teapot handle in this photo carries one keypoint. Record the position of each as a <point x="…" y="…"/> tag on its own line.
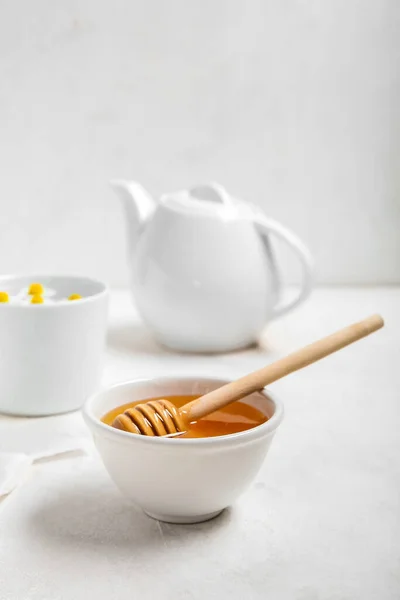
<point x="266" y="226"/>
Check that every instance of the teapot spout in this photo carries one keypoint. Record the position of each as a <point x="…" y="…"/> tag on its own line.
<point x="138" y="207"/>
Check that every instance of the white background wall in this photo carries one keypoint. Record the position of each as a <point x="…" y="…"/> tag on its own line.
<point x="293" y="104"/>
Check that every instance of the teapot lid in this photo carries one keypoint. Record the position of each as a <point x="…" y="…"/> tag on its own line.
<point x="204" y="198"/>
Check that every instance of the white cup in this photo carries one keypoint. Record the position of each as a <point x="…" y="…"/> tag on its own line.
<point x="180" y="480"/>
<point x="50" y="354"/>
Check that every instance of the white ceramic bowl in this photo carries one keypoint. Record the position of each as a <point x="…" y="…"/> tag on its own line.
<point x="50" y="354"/>
<point x="180" y="480"/>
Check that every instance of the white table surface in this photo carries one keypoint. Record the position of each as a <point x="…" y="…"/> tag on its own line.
<point x="322" y="519"/>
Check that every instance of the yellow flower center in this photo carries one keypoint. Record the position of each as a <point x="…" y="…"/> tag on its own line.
<point x="37" y="299"/>
<point x="4" y="297"/>
<point x="75" y="297"/>
<point x="35" y="289"/>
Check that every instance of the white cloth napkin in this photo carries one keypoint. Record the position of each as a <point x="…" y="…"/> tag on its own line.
<point x="24" y="441"/>
<point x="13" y="469"/>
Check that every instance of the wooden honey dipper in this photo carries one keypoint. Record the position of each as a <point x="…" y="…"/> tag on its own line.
<point x="161" y="417"/>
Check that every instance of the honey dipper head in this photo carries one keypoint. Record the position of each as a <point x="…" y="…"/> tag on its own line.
<point x="154" y="418"/>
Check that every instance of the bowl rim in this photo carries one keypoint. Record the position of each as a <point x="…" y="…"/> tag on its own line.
<point x="104" y="289"/>
<point x="95" y="424"/>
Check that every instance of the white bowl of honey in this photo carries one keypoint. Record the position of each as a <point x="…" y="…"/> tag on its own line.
<point x="192" y="477"/>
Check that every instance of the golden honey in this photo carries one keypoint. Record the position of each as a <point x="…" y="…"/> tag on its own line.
<point x="234" y="418"/>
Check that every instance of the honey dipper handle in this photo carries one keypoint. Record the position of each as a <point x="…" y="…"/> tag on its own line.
<point x="257" y="380"/>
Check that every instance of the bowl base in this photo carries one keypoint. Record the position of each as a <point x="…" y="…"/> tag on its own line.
<point x="184" y="520"/>
<point x="41" y="413"/>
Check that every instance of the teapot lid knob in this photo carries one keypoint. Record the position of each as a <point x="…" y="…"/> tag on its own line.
<point x="212" y="192"/>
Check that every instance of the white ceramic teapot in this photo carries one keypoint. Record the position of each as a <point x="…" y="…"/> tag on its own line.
<point x="203" y="271"/>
